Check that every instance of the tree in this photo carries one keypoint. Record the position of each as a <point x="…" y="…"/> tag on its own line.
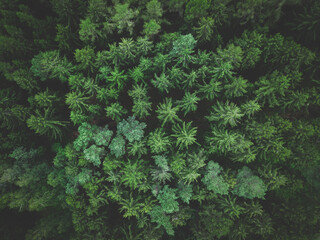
<point x="226" y="114"/>
<point x="188" y="102"/>
<point x="44" y="124"/>
<point x="162" y="83"/>
<point x="167" y="113"/>
<point x="131" y="129"/>
<point x="94" y="154"/>
<point x="236" y="88"/>
<point x="158" y="142"/>
<point x="117" y="146"/>
<point x="89" y="32"/>
<point x="210" y="90"/>
<point x="151" y="28"/>
<point x="137" y="148"/>
<point x="77" y="101"/>
<point x="183" y="49"/>
<point x="162" y="173"/>
<point x="205" y="29"/>
<point x="50" y="65"/>
<point x="158" y="215"/>
<point x="249" y="185"/>
<point x="123" y="19"/>
<point x="141" y="108"/>
<point x="213" y="181"/>
<point x="85" y="57"/>
<point x="186" y="135"/>
<point x="133" y="174"/>
<point x="167" y="198"/>
<point x="115" y="111"/>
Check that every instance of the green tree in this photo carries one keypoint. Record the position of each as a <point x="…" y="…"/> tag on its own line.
<point x="44" y="124"/>
<point x="117" y="146"/>
<point x="167" y="113"/>
<point x="131" y="129"/>
<point x="167" y="198"/>
<point x="133" y="174"/>
<point x="183" y="49"/>
<point x="249" y="185"/>
<point x="226" y="114"/>
<point x="77" y="101"/>
<point x="188" y="102"/>
<point x="123" y="19"/>
<point x="158" y="141"/>
<point x="115" y="111"/>
<point x="94" y="154"/>
<point x="186" y="135"/>
<point x="205" y="29"/>
<point x="213" y="180"/>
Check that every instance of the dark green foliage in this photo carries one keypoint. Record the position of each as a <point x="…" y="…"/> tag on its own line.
<point x="186" y="135"/>
<point x="131" y="129"/>
<point x="192" y="119"/>
<point x="213" y="181"/>
<point x="117" y="146"/>
<point x="167" y="113"/>
<point x="226" y="114"/>
<point x="248" y="185"/>
<point x="49" y="64"/>
<point x="44" y="124"/>
<point x="158" y="141"/>
<point x="93" y="154"/>
<point x="183" y="48"/>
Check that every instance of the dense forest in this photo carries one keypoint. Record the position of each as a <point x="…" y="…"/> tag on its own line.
<point x="160" y="119"/>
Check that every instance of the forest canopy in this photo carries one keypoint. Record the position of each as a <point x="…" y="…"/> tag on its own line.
<point x="153" y="119"/>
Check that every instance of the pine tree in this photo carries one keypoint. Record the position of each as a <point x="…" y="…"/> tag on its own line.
<point x="167" y="113"/>
<point x="44" y="124"/>
<point x="226" y="114"/>
<point x="186" y="135"/>
<point x="188" y="102"/>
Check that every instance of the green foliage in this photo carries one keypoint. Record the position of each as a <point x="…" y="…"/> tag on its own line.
<point x="50" y="65"/>
<point x="158" y="141"/>
<point x="131" y="129"/>
<point x="117" y="146"/>
<point x="167" y="198"/>
<point x="151" y="28"/>
<point x="158" y="215"/>
<point x="162" y="172"/>
<point x="177" y="164"/>
<point x="188" y="102"/>
<point x="186" y="135"/>
<point x="115" y="111"/>
<point x="210" y="90"/>
<point x="271" y="88"/>
<point x="44" y="124"/>
<point x="205" y="29"/>
<point x="132" y="174"/>
<point x="237" y="88"/>
<point x="213" y="181"/>
<point x="94" y="154"/>
<point x="137" y="148"/>
<point x="162" y="83"/>
<point x="88" y="31"/>
<point x="123" y="19"/>
<point x="196" y="9"/>
<point x="185" y="192"/>
<point x="232" y="54"/>
<point x="183" y="48"/>
<point x="249" y="185"/>
<point x="85" y="57"/>
<point x="77" y="101"/>
<point x="226" y="114"/>
<point x="167" y="113"/>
